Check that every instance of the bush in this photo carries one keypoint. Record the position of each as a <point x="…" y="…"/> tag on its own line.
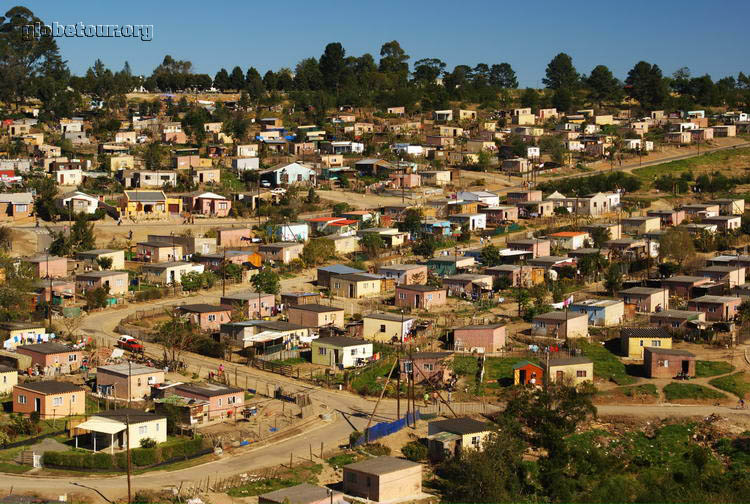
<point x="148" y="443"/>
<point x="144" y="457"/>
<point x="354" y="437"/>
<point x="149" y="294"/>
<point x="377" y="449"/>
<point x="414" y="451"/>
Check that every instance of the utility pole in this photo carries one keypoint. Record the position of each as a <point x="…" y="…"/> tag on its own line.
<point x="174" y="258"/>
<point x="127" y="442"/>
<point x="49" y="305"/>
<point x="224" y="275"/>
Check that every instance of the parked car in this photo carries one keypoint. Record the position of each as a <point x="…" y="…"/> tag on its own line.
<point x="130" y="343"/>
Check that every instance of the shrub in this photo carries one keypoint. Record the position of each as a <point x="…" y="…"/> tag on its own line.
<point x="143" y="457"/>
<point x="148" y="443"/>
<point x="354" y="437"/>
<point x="414" y="451"/>
<point x="377" y="449"/>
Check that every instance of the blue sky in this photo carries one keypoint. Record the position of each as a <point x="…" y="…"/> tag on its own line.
<point x="705" y="36"/>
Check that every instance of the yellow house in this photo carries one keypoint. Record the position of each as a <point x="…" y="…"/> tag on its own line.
<point x="575" y="369"/>
<point x="355" y="286"/>
<point x="34" y="139"/>
<point x="13" y="334"/>
<point x="124" y="162"/>
<point x="386" y="327"/>
<point x="634" y="339"/>
<point x="449" y="437"/>
<point x="147" y="204"/>
<point x="8" y="379"/>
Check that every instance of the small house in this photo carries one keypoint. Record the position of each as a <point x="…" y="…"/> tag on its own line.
<point x="355" y="285"/>
<point x="158" y="251"/>
<point x="576" y="369"/>
<point x="683" y="285"/>
<point x="223" y="401"/>
<point x="447" y="438"/>
<point x="52" y="357"/>
<point x="434" y="367"/>
<point x="668" y="363"/>
<point x="207" y="317"/>
<point x="716" y="308"/>
<point x="539" y="247"/>
<point x="527" y="373"/>
<point x="51" y="399"/>
<point x="114" y="282"/>
<point x="340" y="351"/>
<point x="382" y="479"/>
<point x="676" y="320"/>
<point x="8" y="379"/>
<point x="480" y="338"/>
<point x="387" y="327"/>
<point x="282" y="252"/>
<point x="601" y="312"/>
<point x="420" y="296"/>
<point x="47" y="266"/>
<point x="316" y="315"/>
<point x="405" y="274"/>
<point x="124" y="428"/>
<point x="130" y="381"/>
<point x="561" y="325"/>
<point x="253" y="304"/>
<point x="634" y="339"/>
<point x="645" y="299"/>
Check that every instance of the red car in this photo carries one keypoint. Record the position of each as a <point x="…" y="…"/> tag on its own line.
<point x="130" y="343"/>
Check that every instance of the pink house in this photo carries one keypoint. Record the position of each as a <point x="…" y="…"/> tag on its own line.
<point x="420" y="296"/>
<point x="222" y="401"/>
<point x="48" y="266"/>
<point x="177" y="137"/>
<point x="488" y="338"/>
<point x="407" y="180"/>
<point x="207" y="203"/>
<point x="207" y="317"/>
<point x="52" y="355"/>
<point x="234" y="237"/>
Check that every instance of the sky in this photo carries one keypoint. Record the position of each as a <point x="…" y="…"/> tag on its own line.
<point x="707" y="37"/>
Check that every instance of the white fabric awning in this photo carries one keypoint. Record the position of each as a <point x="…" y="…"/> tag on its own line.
<point x="103" y="425"/>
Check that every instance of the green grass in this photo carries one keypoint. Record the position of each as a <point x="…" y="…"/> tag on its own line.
<point x="712" y="368"/>
<point x="647" y="389"/>
<point x="7" y="467"/>
<point x="649" y="173"/>
<point x="675" y="391"/>
<point x="736" y="384"/>
<point x="366" y="380"/>
<point x="495" y="368"/>
<point x="342" y="459"/>
<point x="290" y="477"/>
<point x="607" y="366"/>
<point x="293" y="361"/>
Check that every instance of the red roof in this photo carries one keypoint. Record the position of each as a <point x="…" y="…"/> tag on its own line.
<point x="345" y="222"/>
<point x="324" y="219"/>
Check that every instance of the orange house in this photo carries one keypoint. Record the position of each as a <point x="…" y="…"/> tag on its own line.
<point x="50" y="398"/>
<point x="52" y="355"/>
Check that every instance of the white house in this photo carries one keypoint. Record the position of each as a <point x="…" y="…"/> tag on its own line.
<point x="532" y="153"/>
<point x="71" y="177"/>
<point x="347" y="147"/>
<point x="246" y="163"/>
<point x="78" y="202"/>
<point x="485" y="197"/>
<point x="109" y="428"/>
<point x="249" y="150"/>
<point x="293" y="232"/>
<point x="411" y="150"/>
<point x="294" y="173"/>
<point x="474" y="221"/>
<point x="340" y="351"/>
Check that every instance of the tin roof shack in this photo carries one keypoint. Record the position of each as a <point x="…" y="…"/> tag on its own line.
<point x="576" y="369"/>
<point x="252" y="304"/>
<point x="207" y="317"/>
<point x="539" y="247"/>
<point x="264" y="335"/>
<point x="468" y="284"/>
<point x="450" y="264"/>
<point x="383" y="479"/>
<point x="732" y="275"/>
<point x="434" y="367"/>
<point x="283" y="252"/>
<point x="683" y="285"/>
<point x="53" y="357"/>
<point x="527" y="373"/>
<point x="304" y="493"/>
<point x="355" y="285"/>
<point x="482" y="338"/>
<point x="405" y="274"/>
<point x="127" y="381"/>
<point x="644" y="299"/>
<point x="634" y="339"/>
<point x="51" y="399"/>
<point x="446" y="438"/>
<point x="326" y="272"/>
<point x="340" y="351"/>
<point x="185" y="412"/>
<point x="222" y="401"/>
<point x="515" y="275"/>
<point x="668" y="363"/>
<point x="561" y="324"/>
<point x="8" y="379"/>
<point x="18" y="333"/>
<point x="716" y="308"/>
<point x="601" y="312"/>
<point x="387" y="327"/>
<point x="316" y="315"/>
<point x="299" y="298"/>
<point x="676" y="320"/>
<point x="420" y="296"/>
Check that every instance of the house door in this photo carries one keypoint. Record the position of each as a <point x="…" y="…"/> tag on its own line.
<point x="351" y="290"/>
<point x="37" y="404"/>
<point x="417" y="300"/>
<point x="685" y="366"/>
<point x="522" y="376"/>
<point x="559" y="376"/>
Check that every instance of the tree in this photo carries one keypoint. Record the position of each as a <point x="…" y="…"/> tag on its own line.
<point x="312" y="198"/>
<point x="176" y="335"/>
<point x="332" y="65"/>
<point x="646" y="84"/>
<point x="254" y="84"/>
<point x="413" y="222"/>
<point x="372" y="244"/>
<point x="427" y="70"/>
<point x="307" y="75"/>
<point x="490" y="256"/>
<point x="318" y="251"/>
<point x="104" y="263"/>
<point x="613" y="278"/>
<point x="677" y="245"/>
<point x="15" y="303"/>
<point x="237" y="79"/>
<point x="561" y="74"/>
<point x="393" y="60"/>
<point x="530" y="99"/>
<point x="96" y="298"/>
<point x="425" y="246"/>
<point x="503" y="76"/>
<point x="603" y="86"/>
<point x="221" y="80"/>
<point x="266" y="280"/>
<point x="154" y="156"/>
<point x="591" y="265"/>
<point x="599" y="235"/>
<point x="81" y="237"/>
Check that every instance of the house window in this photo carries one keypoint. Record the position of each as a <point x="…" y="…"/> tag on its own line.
<point x="641" y="342"/>
<point x="428" y="366"/>
<point x="336" y="285"/>
<point x="73" y="398"/>
<point x="475" y="441"/>
<point x="72" y="357"/>
<point x="321" y="351"/>
<point x="142" y="430"/>
<point x="151" y="380"/>
<point x="401" y="295"/>
<point x="368" y="481"/>
<point x="655" y="343"/>
<point x="57" y="401"/>
<point x="354" y="351"/>
<point x="212" y="318"/>
<point x="429" y="297"/>
<point x="139" y="382"/>
<point x="581" y="373"/>
<point x="382" y="327"/>
<point x="231" y="399"/>
<point x="21" y="399"/>
<point x="220" y="401"/>
<point x="157" y="427"/>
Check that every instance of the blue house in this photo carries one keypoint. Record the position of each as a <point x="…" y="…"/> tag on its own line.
<point x="437" y="227"/>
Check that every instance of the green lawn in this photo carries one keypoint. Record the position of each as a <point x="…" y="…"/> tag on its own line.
<point x="342" y="459"/>
<point x="366" y="380"/>
<point x="7" y="467"/>
<point x="736" y="384"/>
<point x="291" y="361"/>
<point x="712" y="368"/>
<point x="647" y="389"/>
<point x="649" y="173"/>
<point x="607" y="366"/>
<point x="301" y="474"/>
<point x="496" y="369"/>
<point x="675" y="391"/>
